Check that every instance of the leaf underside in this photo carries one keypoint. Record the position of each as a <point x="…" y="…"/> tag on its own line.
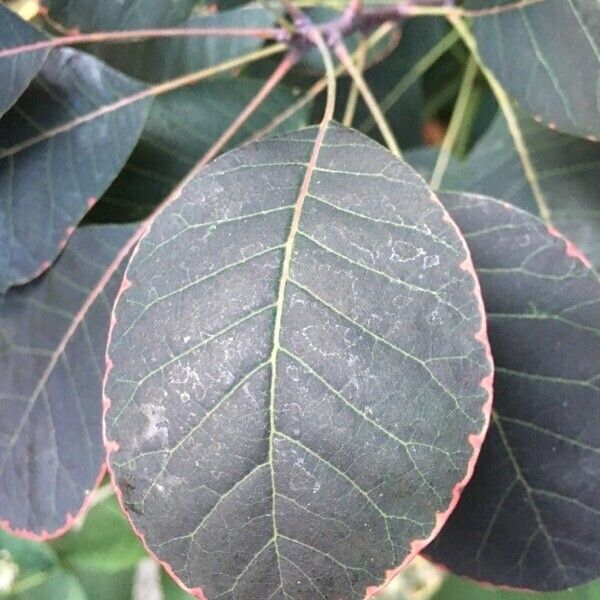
<point x="52" y="361"/>
<point x="547" y="57"/>
<point x="55" y="160"/>
<point x="17" y="71"/>
<point x="530" y="518"/>
<point x="309" y="479"/>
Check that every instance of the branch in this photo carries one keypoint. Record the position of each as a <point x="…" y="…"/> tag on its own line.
<point x="386" y="131"/>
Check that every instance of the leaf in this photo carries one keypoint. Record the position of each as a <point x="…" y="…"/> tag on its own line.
<point x="314" y="478"/>
<point x="530" y="518"/>
<point x="61" y="146"/>
<point x="53" y="336"/>
<point x="181" y="127"/>
<point x="17" y="71"/>
<point x="161" y="59"/>
<point x="565" y="167"/>
<point x="547" y="56"/>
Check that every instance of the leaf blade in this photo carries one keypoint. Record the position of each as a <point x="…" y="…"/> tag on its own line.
<point x="281" y="460"/>
<point x="60" y="148"/>
<point x="51" y="409"/>
<point x="529" y="518"/>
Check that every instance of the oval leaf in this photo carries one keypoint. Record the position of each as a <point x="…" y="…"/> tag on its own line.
<point x="543" y="54"/>
<point x="531" y="515"/>
<point x="283" y="416"/>
<point x="61" y="146"/>
<point x="52" y="341"/>
<point x="16" y="71"/>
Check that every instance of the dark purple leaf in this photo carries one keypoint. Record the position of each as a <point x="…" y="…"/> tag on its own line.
<point x="16" y="71"/>
<point x="531" y="515"/>
<point x="52" y="344"/>
<point x="283" y="416"/>
<point x="61" y="146"/>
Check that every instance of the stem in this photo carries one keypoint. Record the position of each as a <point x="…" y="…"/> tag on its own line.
<point x="280" y="72"/>
<point x="318" y="86"/>
<point x="155" y="90"/>
<point x="510" y="115"/>
<point x="361" y="57"/>
<point x="342" y="54"/>
<point x="138" y="35"/>
<point x="413" y="75"/>
<point x="456" y="120"/>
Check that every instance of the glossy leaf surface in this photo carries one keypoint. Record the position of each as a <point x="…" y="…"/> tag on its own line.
<point x="61" y="146"/>
<point x="530" y="518"/>
<point x="283" y="417"/>
<point x="52" y="342"/>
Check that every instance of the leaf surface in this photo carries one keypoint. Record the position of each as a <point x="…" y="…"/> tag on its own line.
<point x="564" y="167"/>
<point x="547" y="56"/>
<point x="180" y="129"/>
<point x="283" y="418"/>
<point x="17" y="71"/>
<point x="530" y="518"/>
<point x="157" y="60"/>
<point x="61" y="146"/>
<point x="52" y="342"/>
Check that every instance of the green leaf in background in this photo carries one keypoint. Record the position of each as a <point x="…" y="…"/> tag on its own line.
<point x="565" y="171"/>
<point x="61" y="146"/>
<point x="181" y="127"/>
<point x="18" y="70"/>
<point x="547" y="56"/>
<point x="455" y="588"/>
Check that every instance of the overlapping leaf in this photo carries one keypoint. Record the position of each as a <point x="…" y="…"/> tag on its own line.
<point x="52" y="340"/>
<point x="547" y="55"/>
<point x="283" y="417"/>
<point x="157" y="60"/>
<point x="17" y="71"/>
<point x="531" y="515"/>
<point x="61" y="146"/>
<point x="564" y="167"/>
<point x="181" y="127"/>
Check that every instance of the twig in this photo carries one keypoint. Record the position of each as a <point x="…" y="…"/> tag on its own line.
<point x="443" y="159"/>
<point x="416" y="71"/>
<point x="318" y="87"/>
<point x="386" y="131"/>
<point x="361" y="57"/>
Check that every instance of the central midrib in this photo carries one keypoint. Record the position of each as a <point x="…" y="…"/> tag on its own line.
<point x="285" y="271"/>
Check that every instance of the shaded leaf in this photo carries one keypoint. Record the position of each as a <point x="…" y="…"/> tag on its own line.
<point x="17" y="71"/>
<point x="302" y="397"/>
<point x="530" y="518"/>
<point x="181" y="127"/>
<point x="565" y="167"/>
<point x="547" y="57"/>
<point x="157" y="60"/>
<point x="61" y="146"/>
<point x="423" y="160"/>
<point x="53" y="336"/>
